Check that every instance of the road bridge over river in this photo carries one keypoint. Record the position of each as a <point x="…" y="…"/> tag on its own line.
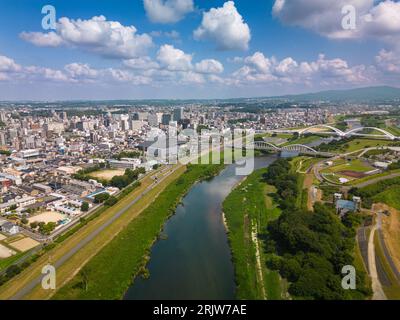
<point x="299" y="148"/>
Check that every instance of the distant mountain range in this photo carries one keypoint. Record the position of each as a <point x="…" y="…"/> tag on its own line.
<point x="382" y="93"/>
<point x="369" y="94"/>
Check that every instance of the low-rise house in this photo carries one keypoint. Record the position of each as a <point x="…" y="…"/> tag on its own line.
<point x="9" y="228"/>
<point x="42" y="187"/>
<point x="382" y="165"/>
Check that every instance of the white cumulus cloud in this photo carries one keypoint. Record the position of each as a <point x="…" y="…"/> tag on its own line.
<point x="378" y="20"/>
<point x="107" y="38"/>
<point x="209" y="66"/>
<point x="225" y="27"/>
<point x="167" y="11"/>
<point x="174" y="59"/>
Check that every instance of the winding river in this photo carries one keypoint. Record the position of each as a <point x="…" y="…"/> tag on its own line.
<point x="194" y="262"/>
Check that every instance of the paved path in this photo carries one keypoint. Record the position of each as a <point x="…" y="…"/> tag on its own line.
<point x="33" y="283"/>
<point x="363" y="245"/>
<point x="378" y="148"/>
<point x="376" y="285"/>
<point x="373" y="181"/>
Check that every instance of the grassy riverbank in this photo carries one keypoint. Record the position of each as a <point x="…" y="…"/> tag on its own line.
<point x="109" y="274"/>
<point x="248" y="208"/>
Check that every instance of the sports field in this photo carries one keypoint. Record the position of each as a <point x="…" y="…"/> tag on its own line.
<point x="25" y="244"/>
<point x="344" y="171"/>
<point x="48" y="216"/>
<point x="107" y="174"/>
<point x="5" y="252"/>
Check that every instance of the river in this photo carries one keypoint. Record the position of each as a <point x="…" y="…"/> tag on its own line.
<point x="194" y="262"/>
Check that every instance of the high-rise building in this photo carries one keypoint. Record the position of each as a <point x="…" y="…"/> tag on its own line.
<point x="166" y="119"/>
<point x="137" y="125"/>
<point x="178" y="114"/>
<point x="153" y="120"/>
<point x="3" y="116"/>
<point x="139" y="116"/>
<point x="94" y="138"/>
<point x="3" y="139"/>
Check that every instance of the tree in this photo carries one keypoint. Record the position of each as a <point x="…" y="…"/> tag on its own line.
<point x="100" y="198"/>
<point x="85" y="207"/>
<point x="111" y="201"/>
<point x="34" y="225"/>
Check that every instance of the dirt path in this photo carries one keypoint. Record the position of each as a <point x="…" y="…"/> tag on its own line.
<point x="254" y="237"/>
<point x="312" y="191"/>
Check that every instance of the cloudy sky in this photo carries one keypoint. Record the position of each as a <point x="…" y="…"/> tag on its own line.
<point x="151" y="49"/>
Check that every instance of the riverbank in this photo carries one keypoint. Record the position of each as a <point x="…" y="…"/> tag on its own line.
<point x="249" y="205"/>
<point x="110" y="272"/>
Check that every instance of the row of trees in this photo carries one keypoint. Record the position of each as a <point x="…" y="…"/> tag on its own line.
<point x="120" y="182"/>
<point x="44" y="228"/>
<point x="279" y="175"/>
<point x="309" y="249"/>
<point x="105" y="198"/>
<point x="334" y="145"/>
<point x="129" y="177"/>
<point x="83" y="174"/>
<point x="127" y="154"/>
<point x="5" y="152"/>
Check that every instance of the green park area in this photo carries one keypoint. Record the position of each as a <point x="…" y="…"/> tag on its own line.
<point x="350" y="145"/>
<point x="308" y="248"/>
<point x="343" y="171"/>
<point x="302" y="251"/>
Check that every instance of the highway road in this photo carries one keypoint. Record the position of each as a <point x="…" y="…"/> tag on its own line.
<point x="33" y="283"/>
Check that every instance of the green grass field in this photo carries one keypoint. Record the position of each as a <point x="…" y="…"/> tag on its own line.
<point x="5" y="263"/>
<point x="358" y="144"/>
<point x="354" y="165"/>
<point x="392" y="292"/>
<point x="393" y="130"/>
<point x="390" y="196"/>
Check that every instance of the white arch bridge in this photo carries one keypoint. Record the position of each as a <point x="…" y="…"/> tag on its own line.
<point x="300" y="148"/>
<point x="353" y="132"/>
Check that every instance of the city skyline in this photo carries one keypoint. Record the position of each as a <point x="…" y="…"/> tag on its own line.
<point x="190" y="49"/>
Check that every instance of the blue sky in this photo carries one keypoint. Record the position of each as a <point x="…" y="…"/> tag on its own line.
<point x="194" y="49"/>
